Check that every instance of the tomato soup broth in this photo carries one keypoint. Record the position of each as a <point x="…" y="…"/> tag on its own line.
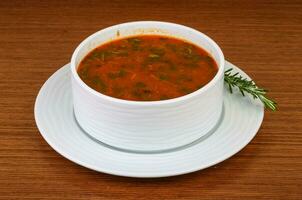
<point x="147" y="68"/>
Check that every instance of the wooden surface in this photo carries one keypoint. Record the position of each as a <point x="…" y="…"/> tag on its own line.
<point x="263" y="38"/>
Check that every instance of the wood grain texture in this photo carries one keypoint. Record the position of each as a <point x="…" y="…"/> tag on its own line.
<point x="264" y="38"/>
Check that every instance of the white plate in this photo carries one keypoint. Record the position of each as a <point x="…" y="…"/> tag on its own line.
<point x="240" y="122"/>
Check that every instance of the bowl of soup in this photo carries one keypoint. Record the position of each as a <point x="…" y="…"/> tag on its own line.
<point x="147" y="86"/>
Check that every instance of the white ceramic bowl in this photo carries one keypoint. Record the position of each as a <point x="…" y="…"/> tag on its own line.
<point x="152" y="125"/>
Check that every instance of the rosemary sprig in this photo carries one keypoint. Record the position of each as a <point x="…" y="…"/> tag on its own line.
<point x="248" y="86"/>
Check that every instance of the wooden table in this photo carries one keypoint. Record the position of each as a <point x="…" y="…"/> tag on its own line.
<point x="263" y="38"/>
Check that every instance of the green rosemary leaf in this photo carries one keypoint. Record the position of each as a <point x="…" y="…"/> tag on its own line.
<point x="248" y="86"/>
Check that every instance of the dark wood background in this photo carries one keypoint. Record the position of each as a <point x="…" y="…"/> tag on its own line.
<point x="264" y="38"/>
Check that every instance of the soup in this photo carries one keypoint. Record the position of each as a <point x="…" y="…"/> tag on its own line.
<point x="147" y="68"/>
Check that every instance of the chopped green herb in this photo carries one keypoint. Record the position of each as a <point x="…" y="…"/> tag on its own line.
<point x="153" y="56"/>
<point x="120" y="52"/>
<point x="185" y="90"/>
<point x="207" y="59"/>
<point x="172" y="67"/>
<point x="137" y="94"/>
<point x="200" y="86"/>
<point x="192" y="65"/>
<point x="103" y="57"/>
<point x="163" y="97"/>
<point x="189" y="49"/>
<point x="99" y="83"/>
<point x="170" y="64"/>
<point x="84" y="73"/>
<point x="135" y="43"/>
<point x="113" y="75"/>
<point x="187" y="53"/>
<point x="122" y="73"/>
<point x="142" y="93"/>
<point x="184" y="78"/>
<point x="140" y="85"/>
<point x="157" y="51"/>
<point x="163" y="38"/>
<point x="134" y="40"/>
<point x="145" y="65"/>
<point x="163" y="77"/>
<point x="118" y="91"/>
<point x="172" y="47"/>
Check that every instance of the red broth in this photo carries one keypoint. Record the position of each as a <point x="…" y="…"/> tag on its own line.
<point x="147" y="68"/>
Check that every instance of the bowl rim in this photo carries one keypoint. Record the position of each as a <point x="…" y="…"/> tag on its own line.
<point x="201" y="90"/>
